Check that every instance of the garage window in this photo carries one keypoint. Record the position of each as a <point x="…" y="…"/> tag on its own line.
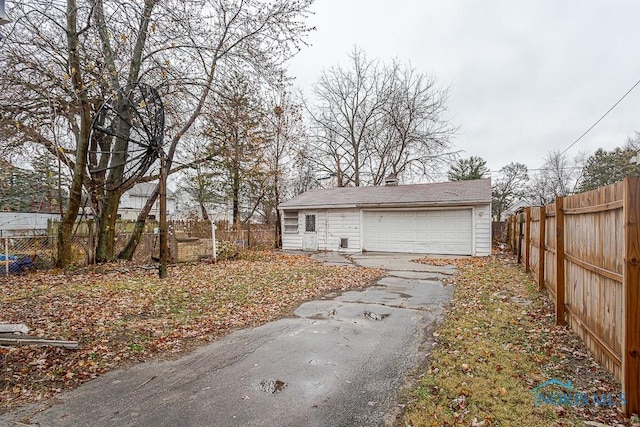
<point x="290" y="221"/>
<point x="310" y="223"/>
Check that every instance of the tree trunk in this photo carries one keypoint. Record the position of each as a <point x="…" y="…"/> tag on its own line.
<point x="203" y="210"/>
<point x="356" y="165"/>
<point x="65" y="255"/>
<point x="107" y="228"/>
<point x="236" y="209"/>
<point x="278" y="219"/>
<point x="105" y="250"/>
<point x="236" y="195"/>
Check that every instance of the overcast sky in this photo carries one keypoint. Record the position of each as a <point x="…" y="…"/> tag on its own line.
<point x="525" y="77"/>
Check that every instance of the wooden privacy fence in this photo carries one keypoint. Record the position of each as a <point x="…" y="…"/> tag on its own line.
<point x="585" y="251"/>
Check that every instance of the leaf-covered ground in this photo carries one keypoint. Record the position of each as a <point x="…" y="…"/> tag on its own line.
<point x="497" y="343"/>
<point x="120" y="314"/>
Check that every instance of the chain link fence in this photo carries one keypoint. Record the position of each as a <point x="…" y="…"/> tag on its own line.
<point x="38" y="251"/>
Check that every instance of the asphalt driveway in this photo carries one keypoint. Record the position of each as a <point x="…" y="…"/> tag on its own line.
<point x="340" y="361"/>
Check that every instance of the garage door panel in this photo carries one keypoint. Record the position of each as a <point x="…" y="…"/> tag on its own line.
<point x="438" y="231"/>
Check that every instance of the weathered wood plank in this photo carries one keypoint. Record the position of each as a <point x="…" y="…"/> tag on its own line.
<point x="541" y="238"/>
<point x="595" y="336"/>
<point x="560" y="296"/>
<point x="594" y="268"/>
<point x="631" y="297"/>
<point x="594" y="209"/>
<point x="26" y="340"/>
<point x="527" y="238"/>
<point x="550" y="249"/>
<point x="10" y="328"/>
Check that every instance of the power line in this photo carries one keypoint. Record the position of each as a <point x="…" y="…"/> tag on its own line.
<point x="602" y="117"/>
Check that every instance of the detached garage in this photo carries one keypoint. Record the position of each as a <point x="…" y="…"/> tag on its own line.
<point x="449" y="218"/>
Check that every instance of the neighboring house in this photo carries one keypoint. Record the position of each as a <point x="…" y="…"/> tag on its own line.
<point x="134" y="199"/>
<point x="443" y="218"/>
<point x="513" y="209"/>
<point x="25" y="223"/>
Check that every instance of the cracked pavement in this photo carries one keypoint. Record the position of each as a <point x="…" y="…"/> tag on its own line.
<point x="339" y="361"/>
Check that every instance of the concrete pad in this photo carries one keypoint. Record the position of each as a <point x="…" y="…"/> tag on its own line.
<point x="332" y="258"/>
<point x="423" y="275"/>
<point x="399" y="262"/>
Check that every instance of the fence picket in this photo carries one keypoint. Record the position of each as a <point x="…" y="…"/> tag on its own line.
<point x="541" y="240"/>
<point x="631" y="277"/>
<point x="592" y="242"/>
<point x="527" y="239"/>
<point x="560" y="262"/>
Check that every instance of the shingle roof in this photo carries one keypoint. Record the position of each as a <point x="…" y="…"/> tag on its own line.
<point x="441" y="193"/>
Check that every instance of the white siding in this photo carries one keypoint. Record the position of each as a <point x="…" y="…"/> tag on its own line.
<point x="336" y="224"/>
<point x="331" y="225"/>
<point x="482" y="228"/>
<point x="293" y="241"/>
<point x="130" y="206"/>
<point x="17" y="223"/>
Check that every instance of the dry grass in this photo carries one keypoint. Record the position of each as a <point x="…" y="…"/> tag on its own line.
<point x="496" y="344"/>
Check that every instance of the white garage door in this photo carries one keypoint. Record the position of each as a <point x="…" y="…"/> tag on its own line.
<point x="435" y="232"/>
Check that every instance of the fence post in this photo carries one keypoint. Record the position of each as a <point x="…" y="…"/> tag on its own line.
<point x="213" y="241"/>
<point x="527" y="238"/>
<point x="631" y="296"/>
<point x="6" y="256"/>
<point x="517" y="234"/>
<point x="512" y="232"/>
<point x="542" y="226"/>
<point x="90" y="250"/>
<point x="560" y="261"/>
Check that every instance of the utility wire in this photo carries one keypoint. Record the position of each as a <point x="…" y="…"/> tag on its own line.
<point x="602" y="117"/>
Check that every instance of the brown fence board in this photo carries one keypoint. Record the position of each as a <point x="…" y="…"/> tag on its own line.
<point x="585" y="251"/>
<point x="631" y="296"/>
<point x="542" y="225"/>
<point x="550" y="251"/>
<point x="533" y="248"/>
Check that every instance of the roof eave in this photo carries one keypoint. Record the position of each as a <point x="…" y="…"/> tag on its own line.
<point x="300" y="207"/>
<point x="423" y="204"/>
<point x="388" y="205"/>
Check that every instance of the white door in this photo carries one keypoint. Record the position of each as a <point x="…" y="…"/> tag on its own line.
<point x="446" y="232"/>
<point x="310" y="236"/>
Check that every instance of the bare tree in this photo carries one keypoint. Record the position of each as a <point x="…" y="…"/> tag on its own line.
<point x="414" y="136"/>
<point x="508" y="189"/>
<point x="302" y="175"/>
<point x="285" y="126"/>
<point x="558" y="177"/>
<point x="61" y="62"/>
<point x="372" y="120"/>
<point x="350" y="108"/>
<point x="199" y="182"/>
